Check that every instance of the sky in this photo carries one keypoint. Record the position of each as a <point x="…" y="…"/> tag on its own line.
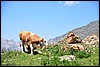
<point x="47" y="19"/>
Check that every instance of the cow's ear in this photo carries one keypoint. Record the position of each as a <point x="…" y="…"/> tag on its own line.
<point x="42" y="39"/>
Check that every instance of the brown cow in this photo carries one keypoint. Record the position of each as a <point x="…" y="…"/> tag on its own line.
<point x="35" y="39"/>
<point x="23" y="37"/>
<point x="31" y="41"/>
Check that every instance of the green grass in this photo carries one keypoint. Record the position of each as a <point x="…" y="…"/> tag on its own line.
<point x="14" y="58"/>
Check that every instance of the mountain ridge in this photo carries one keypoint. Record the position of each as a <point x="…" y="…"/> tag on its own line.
<point x="86" y="30"/>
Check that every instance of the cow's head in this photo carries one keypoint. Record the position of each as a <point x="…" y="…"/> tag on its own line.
<point x="43" y="41"/>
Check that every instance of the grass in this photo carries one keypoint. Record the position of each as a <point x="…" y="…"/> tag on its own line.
<point x="14" y="58"/>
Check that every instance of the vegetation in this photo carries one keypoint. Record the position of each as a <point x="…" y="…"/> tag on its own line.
<point x="51" y="57"/>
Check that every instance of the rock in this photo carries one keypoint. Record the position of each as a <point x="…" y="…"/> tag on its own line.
<point x="67" y="57"/>
<point x="91" y="40"/>
<point x="72" y="38"/>
<point x="64" y="48"/>
<point x="77" y="47"/>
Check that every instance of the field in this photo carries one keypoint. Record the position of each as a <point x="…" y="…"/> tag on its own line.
<point x="50" y="57"/>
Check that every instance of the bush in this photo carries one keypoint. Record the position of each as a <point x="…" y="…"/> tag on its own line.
<point x="83" y="54"/>
<point x="45" y="61"/>
<point x="55" y="61"/>
<point x="70" y="51"/>
<point x="57" y="51"/>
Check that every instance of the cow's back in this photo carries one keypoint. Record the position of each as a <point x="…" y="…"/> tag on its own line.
<point x="23" y="35"/>
<point x="33" y="38"/>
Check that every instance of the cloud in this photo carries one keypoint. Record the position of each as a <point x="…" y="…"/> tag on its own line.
<point x="69" y="3"/>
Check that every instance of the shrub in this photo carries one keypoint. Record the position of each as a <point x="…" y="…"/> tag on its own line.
<point x="83" y="54"/>
<point x="55" y="61"/>
<point x="45" y="61"/>
<point x="71" y="51"/>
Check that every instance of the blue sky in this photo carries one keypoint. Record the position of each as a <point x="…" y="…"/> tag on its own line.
<point x="47" y="19"/>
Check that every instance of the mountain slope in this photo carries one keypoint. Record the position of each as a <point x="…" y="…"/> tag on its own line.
<point x="89" y="29"/>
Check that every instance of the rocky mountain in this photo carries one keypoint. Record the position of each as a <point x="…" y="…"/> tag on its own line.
<point x="9" y="45"/>
<point x="87" y="30"/>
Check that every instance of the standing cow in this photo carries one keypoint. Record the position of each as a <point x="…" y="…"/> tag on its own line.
<point x="23" y="37"/>
<point x="31" y="41"/>
<point x="35" y="39"/>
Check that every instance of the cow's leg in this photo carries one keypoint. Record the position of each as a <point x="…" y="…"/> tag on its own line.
<point x="23" y="49"/>
<point x="28" y="48"/>
<point x="31" y="49"/>
<point x="26" y="44"/>
<point x="41" y="43"/>
<point x="21" y="45"/>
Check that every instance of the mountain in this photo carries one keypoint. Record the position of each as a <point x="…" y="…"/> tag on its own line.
<point x="9" y="45"/>
<point x="89" y="29"/>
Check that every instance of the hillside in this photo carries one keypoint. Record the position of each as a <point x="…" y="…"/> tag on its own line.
<point x="89" y="29"/>
<point x="52" y="57"/>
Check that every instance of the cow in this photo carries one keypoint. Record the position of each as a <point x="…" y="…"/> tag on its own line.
<point x="35" y="39"/>
<point x="23" y="37"/>
<point x="28" y="38"/>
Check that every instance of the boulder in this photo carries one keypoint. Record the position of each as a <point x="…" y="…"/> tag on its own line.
<point x="64" y="48"/>
<point x="91" y="40"/>
<point x="72" y="38"/>
<point x="67" y="57"/>
<point x="77" y="47"/>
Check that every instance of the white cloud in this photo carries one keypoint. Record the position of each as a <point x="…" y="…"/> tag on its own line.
<point x="69" y="3"/>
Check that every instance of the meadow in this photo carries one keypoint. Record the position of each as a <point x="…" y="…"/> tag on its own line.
<point x="50" y="57"/>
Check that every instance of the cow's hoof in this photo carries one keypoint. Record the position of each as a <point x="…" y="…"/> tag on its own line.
<point x="23" y="52"/>
<point x="39" y="52"/>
